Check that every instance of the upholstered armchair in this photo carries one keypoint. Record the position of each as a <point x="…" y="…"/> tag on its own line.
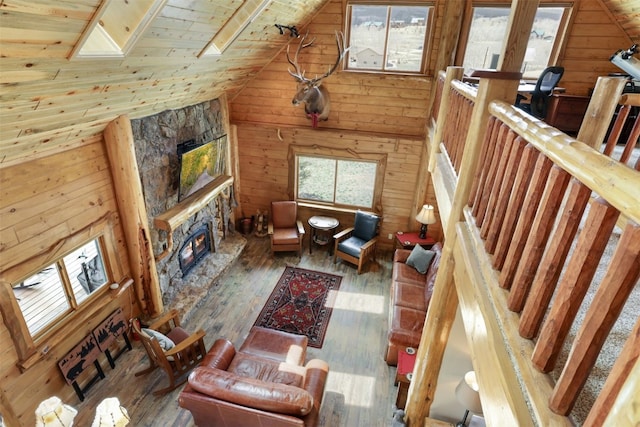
<point x="358" y="244"/>
<point x="170" y="348"/>
<point x="285" y="230"/>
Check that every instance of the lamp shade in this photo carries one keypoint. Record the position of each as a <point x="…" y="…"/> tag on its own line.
<point x="426" y="215"/>
<point x="53" y="413"/>
<point x="110" y="413"/>
<point x="467" y="393"/>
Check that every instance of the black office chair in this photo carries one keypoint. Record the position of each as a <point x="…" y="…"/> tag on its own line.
<point x="539" y="102"/>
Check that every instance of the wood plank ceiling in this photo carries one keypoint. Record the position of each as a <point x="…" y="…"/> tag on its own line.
<point x="627" y="15"/>
<point x="49" y="102"/>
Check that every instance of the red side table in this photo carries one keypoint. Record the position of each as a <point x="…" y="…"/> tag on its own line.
<point x="408" y="239"/>
<point x="406" y="362"/>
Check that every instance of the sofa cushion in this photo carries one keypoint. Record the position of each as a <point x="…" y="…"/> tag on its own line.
<point x="403" y="273"/>
<point x="251" y="392"/>
<point x="271" y="371"/>
<point x="406" y="326"/>
<point x="420" y="259"/>
<point x="408" y="295"/>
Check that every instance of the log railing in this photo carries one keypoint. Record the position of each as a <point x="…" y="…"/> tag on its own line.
<point x="461" y="101"/>
<point x="522" y="245"/>
<point x="528" y="207"/>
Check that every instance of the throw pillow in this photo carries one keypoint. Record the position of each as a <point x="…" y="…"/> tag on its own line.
<point x="164" y="341"/>
<point x="420" y="259"/>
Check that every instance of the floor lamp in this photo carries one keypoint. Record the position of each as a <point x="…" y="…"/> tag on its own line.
<point x="467" y="395"/>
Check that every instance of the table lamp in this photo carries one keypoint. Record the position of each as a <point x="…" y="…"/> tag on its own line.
<point x="467" y="395"/>
<point x="53" y="413"/>
<point x="110" y="413"/>
<point x="425" y="217"/>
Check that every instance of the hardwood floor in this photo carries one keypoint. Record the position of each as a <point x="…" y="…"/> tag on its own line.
<point x="359" y="389"/>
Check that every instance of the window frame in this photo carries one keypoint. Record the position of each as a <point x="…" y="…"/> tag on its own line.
<point x="558" y="44"/>
<point x="336" y="154"/>
<point x="31" y="348"/>
<point x="427" y="58"/>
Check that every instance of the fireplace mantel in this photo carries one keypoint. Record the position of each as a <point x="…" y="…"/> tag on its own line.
<point x="177" y="215"/>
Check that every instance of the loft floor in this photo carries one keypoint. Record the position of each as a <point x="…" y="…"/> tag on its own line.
<point x="359" y="390"/>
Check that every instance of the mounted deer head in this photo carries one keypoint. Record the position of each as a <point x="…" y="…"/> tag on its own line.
<point x="310" y="91"/>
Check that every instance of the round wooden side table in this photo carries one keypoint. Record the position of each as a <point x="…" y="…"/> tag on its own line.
<point x="322" y="231"/>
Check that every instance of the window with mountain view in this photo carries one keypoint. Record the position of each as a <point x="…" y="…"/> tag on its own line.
<point x="388" y="38"/>
<point x="488" y="30"/>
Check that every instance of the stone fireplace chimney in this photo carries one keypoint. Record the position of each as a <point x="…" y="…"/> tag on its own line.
<point x="156" y="141"/>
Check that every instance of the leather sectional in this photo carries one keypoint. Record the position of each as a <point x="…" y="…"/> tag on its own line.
<point x="409" y="300"/>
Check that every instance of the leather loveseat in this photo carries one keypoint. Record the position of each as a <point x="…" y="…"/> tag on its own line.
<point x="264" y="383"/>
<point x="410" y="295"/>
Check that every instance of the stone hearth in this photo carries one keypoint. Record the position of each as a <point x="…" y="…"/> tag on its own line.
<point x="156" y="141"/>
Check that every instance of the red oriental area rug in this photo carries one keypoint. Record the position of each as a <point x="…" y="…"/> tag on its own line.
<point x="301" y="303"/>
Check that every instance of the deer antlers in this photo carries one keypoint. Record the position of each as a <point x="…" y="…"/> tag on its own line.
<point x="299" y="75"/>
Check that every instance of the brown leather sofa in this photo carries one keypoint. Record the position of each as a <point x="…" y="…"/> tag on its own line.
<point x="409" y="300"/>
<point x="264" y="383"/>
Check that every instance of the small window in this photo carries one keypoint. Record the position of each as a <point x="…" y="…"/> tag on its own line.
<point x="488" y="30"/>
<point x="59" y="288"/>
<point x="336" y="182"/>
<point x="388" y="38"/>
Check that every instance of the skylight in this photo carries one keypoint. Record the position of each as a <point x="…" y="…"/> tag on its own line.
<point x="116" y="27"/>
<point x="240" y="20"/>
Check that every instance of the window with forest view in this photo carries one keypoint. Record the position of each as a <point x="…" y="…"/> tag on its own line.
<point x="59" y="288"/>
<point x="390" y="38"/>
<point x="337" y="182"/>
<point x="488" y="30"/>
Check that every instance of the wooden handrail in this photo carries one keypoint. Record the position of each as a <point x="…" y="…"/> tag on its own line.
<point x="464" y="89"/>
<point x="579" y="160"/>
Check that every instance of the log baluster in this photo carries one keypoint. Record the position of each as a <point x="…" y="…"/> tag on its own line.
<point x="491" y="134"/>
<point x="621" y="370"/>
<point x="631" y="142"/>
<point x="616" y="130"/>
<point x="516" y="201"/>
<point x="554" y="259"/>
<point x="621" y="277"/>
<point x="523" y="226"/>
<point x="581" y="268"/>
<point x="486" y="185"/>
<point x="454" y="139"/>
<point x="448" y="132"/>
<point x="538" y="237"/>
<point x="504" y="195"/>
<point x="466" y="109"/>
<point x="499" y="165"/>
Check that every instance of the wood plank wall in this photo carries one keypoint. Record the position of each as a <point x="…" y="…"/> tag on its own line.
<point x="264" y="170"/>
<point x="41" y="202"/>
<point x="593" y="37"/>
<point x="369" y="112"/>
